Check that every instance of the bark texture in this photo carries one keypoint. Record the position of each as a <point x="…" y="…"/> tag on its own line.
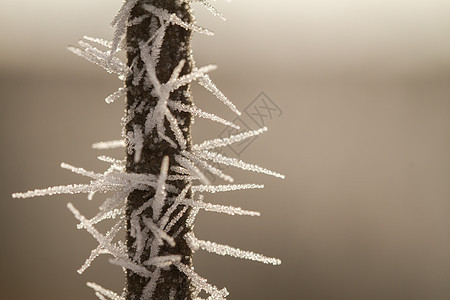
<point x="176" y="46"/>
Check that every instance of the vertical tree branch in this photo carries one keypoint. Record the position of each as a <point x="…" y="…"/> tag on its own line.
<point x="141" y="101"/>
<point x="152" y="192"/>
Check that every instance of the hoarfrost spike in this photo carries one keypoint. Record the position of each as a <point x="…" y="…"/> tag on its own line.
<point x="116" y="95"/>
<point x="231" y="251"/>
<point x="216" y="143"/>
<point x="225" y="187"/>
<point x="101" y="42"/>
<point x="212" y="9"/>
<point x="230" y="210"/>
<point x="207" y="83"/>
<point x="111" y="295"/>
<point x="109" y="145"/>
<point x="160" y="194"/>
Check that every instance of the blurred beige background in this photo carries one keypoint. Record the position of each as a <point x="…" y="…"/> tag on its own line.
<point x="364" y="140"/>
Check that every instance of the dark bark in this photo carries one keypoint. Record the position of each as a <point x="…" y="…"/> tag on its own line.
<point x="176" y="46"/>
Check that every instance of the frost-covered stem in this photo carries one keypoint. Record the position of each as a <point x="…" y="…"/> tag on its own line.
<point x="154" y="188"/>
<point x="141" y="101"/>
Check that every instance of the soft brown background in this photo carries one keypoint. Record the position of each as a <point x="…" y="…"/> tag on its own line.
<point x="364" y="140"/>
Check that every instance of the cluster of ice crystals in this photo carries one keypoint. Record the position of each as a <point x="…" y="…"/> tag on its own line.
<point x="160" y="195"/>
<point x="114" y="179"/>
<point x="152" y="233"/>
<point x="105" y="241"/>
<point x="101" y="58"/>
<point x="174" y="19"/>
<point x="120" y="23"/>
<point x="203" y="164"/>
<point x="157" y="116"/>
<point x="130" y="265"/>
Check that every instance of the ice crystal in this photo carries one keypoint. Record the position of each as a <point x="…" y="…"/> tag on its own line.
<point x="231" y="251"/>
<point x="136" y="142"/>
<point x="101" y="42"/>
<point x="176" y="219"/>
<point x="109" y="144"/>
<point x="212" y="9"/>
<point x="189" y="163"/>
<point x="104" y="292"/>
<point x="160" y="194"/>
<point x="116" y="95"/>
<point x="101" y="58"/>
<point x="225" y="187"/>
<point x="163" y="261"/>
<point x="105" y="246"/>
<point x="199" y="204"/>
<point x="163" y="221"/>
<point x="126" y="264"/>
<point x="207" y="83"/>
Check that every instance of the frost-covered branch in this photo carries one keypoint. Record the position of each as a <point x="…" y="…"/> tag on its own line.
<point x="156" y="193"/>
